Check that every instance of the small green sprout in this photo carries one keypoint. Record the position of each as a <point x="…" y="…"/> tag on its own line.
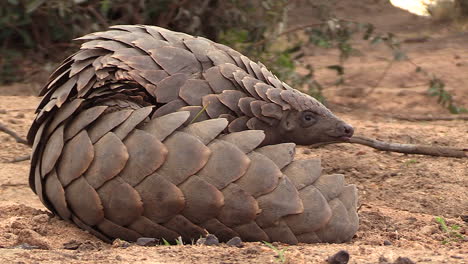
<point x="281" y="258"/>
<point x="452" y="232"/>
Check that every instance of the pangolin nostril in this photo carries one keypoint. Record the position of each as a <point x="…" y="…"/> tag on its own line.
<point x="348" y="130"/>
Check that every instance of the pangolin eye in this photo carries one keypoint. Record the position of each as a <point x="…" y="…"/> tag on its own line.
<point x="308" y="118"/>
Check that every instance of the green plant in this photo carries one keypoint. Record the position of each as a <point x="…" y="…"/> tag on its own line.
<point x="437" y="89"/>
<point x="165" y="242"/>
<point x="411" y="161"/>
<point x="452" y="232"/>
<point x="281" y="258"/>
<point x="179" y="241"/>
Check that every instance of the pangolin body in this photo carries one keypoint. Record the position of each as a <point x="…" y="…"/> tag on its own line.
<point x="145" y="132"/>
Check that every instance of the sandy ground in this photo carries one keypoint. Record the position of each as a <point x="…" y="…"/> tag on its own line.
<point x="400" y="195"/>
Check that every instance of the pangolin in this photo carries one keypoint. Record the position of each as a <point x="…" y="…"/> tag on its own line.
<point x="146" y="132"/>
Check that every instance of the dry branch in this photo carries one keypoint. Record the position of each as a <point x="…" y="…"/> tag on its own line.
<point x="432" y="118"/>
<point x="439" y="151"/>
<point x="10" y="132"/>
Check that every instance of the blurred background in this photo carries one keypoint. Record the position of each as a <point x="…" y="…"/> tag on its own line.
<point x="315" y="45"/>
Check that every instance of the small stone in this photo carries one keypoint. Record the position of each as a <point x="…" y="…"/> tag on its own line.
<point x="209" y="240"/>
<point x="12" y="121"/>
<point x="456" y="257"/>
<point x="88" y="246"/>
<point x="26" y="246"/>
<point x="306" y="151"/>
<point x="342" y="257"/>
<point x="20" y="115"/>
<point x="3" y="111"/>
<point x="235" y="242"/>
<point x="387" y="243"/>
<point x="119" y="243"/>
<point x="71" y="245"/>
<point x="147" y="241"/>
<point x="201" y="241"/>
<point x="403" y="260"/>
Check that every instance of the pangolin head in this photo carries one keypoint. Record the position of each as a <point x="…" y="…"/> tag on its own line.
<point x="308" y="122"/>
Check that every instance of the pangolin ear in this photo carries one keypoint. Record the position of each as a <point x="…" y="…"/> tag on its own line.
<point x="288" y="123"/>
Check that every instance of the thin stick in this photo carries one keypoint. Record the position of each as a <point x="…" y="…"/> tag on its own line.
<point x="439" y="151"/>
<point x="431" y="118"/>
<point x="18" y="139"/>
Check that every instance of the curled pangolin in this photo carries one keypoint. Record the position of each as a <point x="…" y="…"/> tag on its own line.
<point x="145" y="132"/>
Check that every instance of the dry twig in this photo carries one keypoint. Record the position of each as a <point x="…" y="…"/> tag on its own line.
<point x="439" y="151"/>
<point x="10" y="132"/>
<point x="431" y="118"/>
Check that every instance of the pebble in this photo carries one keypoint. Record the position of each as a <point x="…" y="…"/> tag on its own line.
<point x="26" y="246"/>
<point x="235" y="242"/>
<point x="147" y="241"/>
<point x="3" y="111"/>
<point x="342" y="257"/>
<point x="89" y="245"/>
<point x="306" y="151"/>
<point x="209" y="240"/>
<point x="387" y="243"/>
<point x="71" y="245"/>
<point x="119" y="243"/>
<point x="20" y="115"/>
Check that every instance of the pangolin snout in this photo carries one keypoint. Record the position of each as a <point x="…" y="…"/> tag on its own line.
<point x="345" y="131"/>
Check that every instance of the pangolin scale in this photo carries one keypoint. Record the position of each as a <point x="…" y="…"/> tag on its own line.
<point x="145" y="132"/>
